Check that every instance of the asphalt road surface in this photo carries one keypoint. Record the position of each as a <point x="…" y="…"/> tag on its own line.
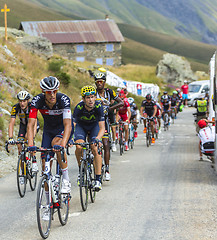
<point x="160" y="192"/>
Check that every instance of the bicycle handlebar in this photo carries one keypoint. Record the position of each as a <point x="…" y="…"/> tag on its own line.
<point x="15" y="143"/>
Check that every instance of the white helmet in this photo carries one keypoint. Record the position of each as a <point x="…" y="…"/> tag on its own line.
<point x="130" y="100"/>
<point x="49" y="83"/>
<point x="23" y="95"/>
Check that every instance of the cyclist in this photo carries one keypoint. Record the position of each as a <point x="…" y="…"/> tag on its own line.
<point x="207" y="138"/>
<point x="149" y="109"/>
<point x="124" y="114"/>
<point x="165" y="93"/>
<point x="158" y="114"/>
<point x="58" y="127"/>
<point x="133" y="109"/>
<point x="166" y="105"/>
<point x="106" y="96"/>
<point x="179" y="95"/>
<point x="201" y="106"/>
<point x="174" y="102"/>
<point x="22" y="109"/>
<point x="89" y="119"/>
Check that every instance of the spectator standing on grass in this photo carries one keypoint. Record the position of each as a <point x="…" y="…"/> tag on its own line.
<point x="185" y="93"/>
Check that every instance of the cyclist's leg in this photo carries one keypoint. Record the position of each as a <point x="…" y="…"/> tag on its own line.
<point x="79" y="137"/>
<point x="21" y="134"/>
<point x="106" y="147"/>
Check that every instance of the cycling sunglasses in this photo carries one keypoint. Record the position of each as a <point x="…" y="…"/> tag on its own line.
<point x="90" y="93"/>
<point x="51" y="91"/>
<point x="99" y="81"/>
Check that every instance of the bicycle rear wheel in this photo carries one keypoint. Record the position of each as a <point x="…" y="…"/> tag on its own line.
<point x="21" y="176"/>
<point x="44" y="208"/>
<point x="92" y="179"/>
<point x="63" y="210"/>
<point x="33" y="177"/>
<point x="121" y="143"/>
<point x="83" y="185"/>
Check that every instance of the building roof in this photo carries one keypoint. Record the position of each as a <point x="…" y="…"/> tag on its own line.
<point x="85" y="31"/>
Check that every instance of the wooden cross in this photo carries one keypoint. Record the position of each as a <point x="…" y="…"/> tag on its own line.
<point x="5" y="10"/>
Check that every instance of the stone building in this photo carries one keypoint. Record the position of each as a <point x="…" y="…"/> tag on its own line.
<point x="97" y="41"/>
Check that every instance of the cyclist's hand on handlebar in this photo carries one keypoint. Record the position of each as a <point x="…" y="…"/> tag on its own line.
<point x="70" y="143"/>
<point x="97" y="142"/>
<point x="32" y="149"/>
<point x="11" y="141"/>
<point x="57" y="148"/>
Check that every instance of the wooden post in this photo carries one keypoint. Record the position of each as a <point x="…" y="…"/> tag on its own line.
<point x="5" y="10"/>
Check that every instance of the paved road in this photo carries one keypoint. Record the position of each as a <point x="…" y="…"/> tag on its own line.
<point x="160" y="192"/>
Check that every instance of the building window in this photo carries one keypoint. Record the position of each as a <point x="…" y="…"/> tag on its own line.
<point x="80" y="59"/>
<point x="109" y="61"/>
<point x="80" y="48"/>
<point x="99" y="61"/>
<point x="109" y="47"/>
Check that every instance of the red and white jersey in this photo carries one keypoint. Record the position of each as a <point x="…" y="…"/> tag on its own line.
<point x="123" y="110"/>
<point x="207" y="135"/>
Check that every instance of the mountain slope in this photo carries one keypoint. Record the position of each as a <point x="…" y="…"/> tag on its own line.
<point x="194" y="19"/>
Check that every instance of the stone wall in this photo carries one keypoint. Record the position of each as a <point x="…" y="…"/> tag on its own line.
<point x="91" y="52"/>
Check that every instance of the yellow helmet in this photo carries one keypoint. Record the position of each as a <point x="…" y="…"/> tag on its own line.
<point x="88" y="90"/>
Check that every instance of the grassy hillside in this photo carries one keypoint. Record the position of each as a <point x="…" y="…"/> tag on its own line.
<point x="24" y="10"/>
<point x="196" y="51"/>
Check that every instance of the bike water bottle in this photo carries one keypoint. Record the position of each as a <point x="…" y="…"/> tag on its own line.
<point x="47" y="167"/>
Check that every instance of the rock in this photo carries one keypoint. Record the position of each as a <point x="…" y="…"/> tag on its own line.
<point x="38" y="45"/>
<point x="202" y="75"/>
<point x="4" y="111"/>
<point x="175" y="69"/>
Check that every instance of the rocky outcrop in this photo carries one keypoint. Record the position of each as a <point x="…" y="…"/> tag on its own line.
<point x="38" y="45"/>
<point x="175" y="69"/>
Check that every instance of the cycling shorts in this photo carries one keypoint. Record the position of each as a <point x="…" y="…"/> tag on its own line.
<point x="81" y="131"/>
<point x="124" y="117"/>
<point x="111" y="116"/>
<point x="149" y="113"/>
<point x="23" y="129"/>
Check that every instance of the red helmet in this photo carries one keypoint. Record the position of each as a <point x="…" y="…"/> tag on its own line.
<point x="202" y="123"/>
<point x="122" y="93"/>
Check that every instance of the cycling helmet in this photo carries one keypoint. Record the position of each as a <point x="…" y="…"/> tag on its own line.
<point x="175" y="92"/>
<point x="165" y="92"/>
<point x="122" y="93"/>
<point x="202" y="123"/>
<point x="178" y="90"/>
<point x="23" y="95"/>
<point x="88" y="90"/>
<point x="165" y="97"/>
<point x="130" y="100"/>
<point x="100" y="75"/>
<point x="148" y="97"/>
<point x="49" y="83"/>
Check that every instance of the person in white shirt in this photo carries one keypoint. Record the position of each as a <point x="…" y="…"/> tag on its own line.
<point x="207" y="138"/>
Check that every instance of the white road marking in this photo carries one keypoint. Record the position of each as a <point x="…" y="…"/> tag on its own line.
<point x="76" y="214"/>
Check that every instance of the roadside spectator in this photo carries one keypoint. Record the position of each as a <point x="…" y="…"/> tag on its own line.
<point x="185" y="93"/>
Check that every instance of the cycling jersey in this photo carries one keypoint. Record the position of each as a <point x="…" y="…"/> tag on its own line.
<point x="166" y="105"/>
<point x="148" y="106"/>
<point x="83" y="116"/>
<point x="109" y="95"/>
<point x="174" y="101"/>
<point x="207" y="137"/>
<point x="23" y="115"/>
<point x="53" y="118"/>
<point x="123" y="109"/>
<point x="161" y="99"/>
<point x="133" y="109"/>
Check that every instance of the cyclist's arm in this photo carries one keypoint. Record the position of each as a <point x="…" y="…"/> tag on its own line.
<point x="67" y="131"/>
<point x="169" y="106"/>
<point x="30" y="130"/>
<point x="101" y="129"/>
<point x="11" y="127"/>
<point x="129" y="114"/>
<point x="155" y="111"/>
<point x="141" y="111"/>
<point x="118" y="105"/>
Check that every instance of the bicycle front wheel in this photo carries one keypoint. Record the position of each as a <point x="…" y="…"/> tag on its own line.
<point x="92" y="179"/>
<point x="63" y="210"/>
<point x="83" y="185"/>
<point x="121" y="143"/>
<point x="21" y="176"/>
<point x="33" y="177"/>
<point x="44" y="208"/>
<point x="147" y="137"/>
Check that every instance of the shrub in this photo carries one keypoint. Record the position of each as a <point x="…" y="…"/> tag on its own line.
<point x="55" y="65"/>
<point x="64" y="78"/>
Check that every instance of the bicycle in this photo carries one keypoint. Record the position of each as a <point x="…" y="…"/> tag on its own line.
<point x="131" y="135"/>
<point x="173" y="114"/>
<point x="24" y="169"/>
<point x="87" y="175"/>
<point x="166" y="120"/>
<point x="49" y="198"/>
<point x="156" y="128"/>
<point x="121" y="136"/>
